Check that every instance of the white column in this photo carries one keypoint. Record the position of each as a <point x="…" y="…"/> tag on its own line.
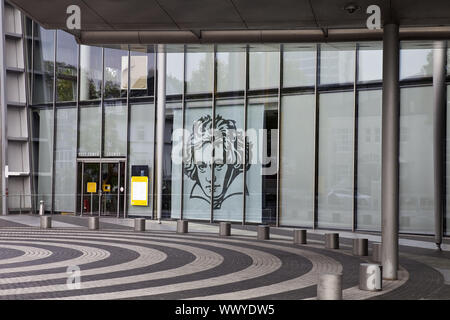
<point x="160" y="122"/>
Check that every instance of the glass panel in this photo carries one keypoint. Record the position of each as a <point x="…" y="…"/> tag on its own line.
<point x="369" y="160"/>
<point x="416" y="60"/>
<point x="142" y="126"/>
<point x="90" y="131"/>
<point x="337" y="63"/>
<point x="197" y="164"/>
<point x="264" y="67"/>
<point x="43" y="155"/>
<point x="116" y="73"/>
<point x="370" y="62"/>
<point x="230" y="68"/>
<point x="297" y="160"/>
<point x="66" y="67"/>
<point x="174" y="72"/>
<point x="228" y="160"/>
<point x="299" y="65"/>
<point x="44" y="56"/>
<point x="115" y="130"/>
<point x="142" y="73"/>
<point x="65" y="159"/>
<point x="262" y="135"/>
<point x="90" y="72"/>
<point x="335" y="177"/>
<point x="173" y="160"/>
<point x="199" y="69"/>
<point x="416" y="160"/>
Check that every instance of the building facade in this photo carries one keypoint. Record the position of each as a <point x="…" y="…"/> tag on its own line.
<point x="299" y="126"/>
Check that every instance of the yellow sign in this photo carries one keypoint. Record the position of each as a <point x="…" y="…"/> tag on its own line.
<point x="139" y="191"/>
<point x="92" y="187"/>
<point x="106" y="187"/>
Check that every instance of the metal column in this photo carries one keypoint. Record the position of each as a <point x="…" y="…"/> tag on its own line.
<point x="3" y="118"/>
<point x="439" y="127"/>
<point x="160" y="122"/>
<point x="390" y="152"/>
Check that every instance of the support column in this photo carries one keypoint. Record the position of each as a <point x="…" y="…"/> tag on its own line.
<point x="160" y="123"/>
<point x="390" y="152"/>
<point x="3" y="118"/>
<point x="439" y="137"/>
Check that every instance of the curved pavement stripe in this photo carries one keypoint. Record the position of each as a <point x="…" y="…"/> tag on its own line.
<point x="30" y="253"/>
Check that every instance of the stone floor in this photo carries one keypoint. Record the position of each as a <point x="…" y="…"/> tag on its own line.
<point x="116" y="262"/>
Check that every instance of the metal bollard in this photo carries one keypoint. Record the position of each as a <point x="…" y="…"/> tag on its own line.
<point x="263" y="232"/>
<point x="41" y="208"/>
<point x="139" y="224"/>
<point x="329" y="286"/>
<point x="46" y="222"/>
<point x="360" y="247"/>
<point x="370" y="277"/>
<point x="332" y="240"/>
<point x="182" y="226"/>
<point x="225" y="229"/>
<point x="299" y="236"/>
<point x="376" y="252"/>
<point x="93" y="223"/>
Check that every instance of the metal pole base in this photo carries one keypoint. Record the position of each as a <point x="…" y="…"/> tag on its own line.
<point x="360" y="247"/>
<point x="46" y="222"/>
<point x="299" y="236"/>
<point x="225" y="229"/>
<point x="139" y="224"/>
<point x="182" y="226"/>
<point x="370" y="277"/>
<point x="332" y="240"/>
<point x="376" y="252"/>
<point x="93" y="223"/>
<point x="263" y="233"/>
<point x="329" y="287"/>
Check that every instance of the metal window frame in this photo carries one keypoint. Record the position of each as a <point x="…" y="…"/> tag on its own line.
<point x="246" y="154"/>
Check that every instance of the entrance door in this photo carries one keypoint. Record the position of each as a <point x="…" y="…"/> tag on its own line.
<point x="102" y="188"/>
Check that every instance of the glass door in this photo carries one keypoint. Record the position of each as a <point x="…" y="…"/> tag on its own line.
<point x="102" y="187"/>
<point x="90" y="181"/>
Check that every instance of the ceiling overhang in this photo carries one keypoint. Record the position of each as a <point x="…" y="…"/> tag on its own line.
<point x="237" y="21"/>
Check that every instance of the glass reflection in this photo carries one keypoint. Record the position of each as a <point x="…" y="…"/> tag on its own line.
<point x="297" y="160"/>
<point x="230" y="68"/>
<point x="416" y="181"/>
<point x="115" y="129"/>
<point x="369" y="160"/>
<point x="115" y="73"/>
<point x="44" y="55"/>
<point x="337" y="63"/>
<point x="90" y="132"/>
<point x="66" y="67"/>
<point x="335" y="189"/>
<point x="199" y="69"/>
<point x="65" y="159"/>
<point x="91" y="59"/>
<point x="261" y="177"/>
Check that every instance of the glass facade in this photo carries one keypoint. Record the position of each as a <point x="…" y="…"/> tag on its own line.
<point x="279" y="134"/>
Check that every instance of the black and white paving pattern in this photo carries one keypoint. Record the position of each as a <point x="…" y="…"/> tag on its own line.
<point x="118" y="263"/>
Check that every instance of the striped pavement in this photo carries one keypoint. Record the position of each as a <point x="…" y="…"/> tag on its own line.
<point x="118" y="263"/>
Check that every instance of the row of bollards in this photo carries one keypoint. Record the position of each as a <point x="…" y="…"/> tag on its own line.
<point x="329" y="286"/>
